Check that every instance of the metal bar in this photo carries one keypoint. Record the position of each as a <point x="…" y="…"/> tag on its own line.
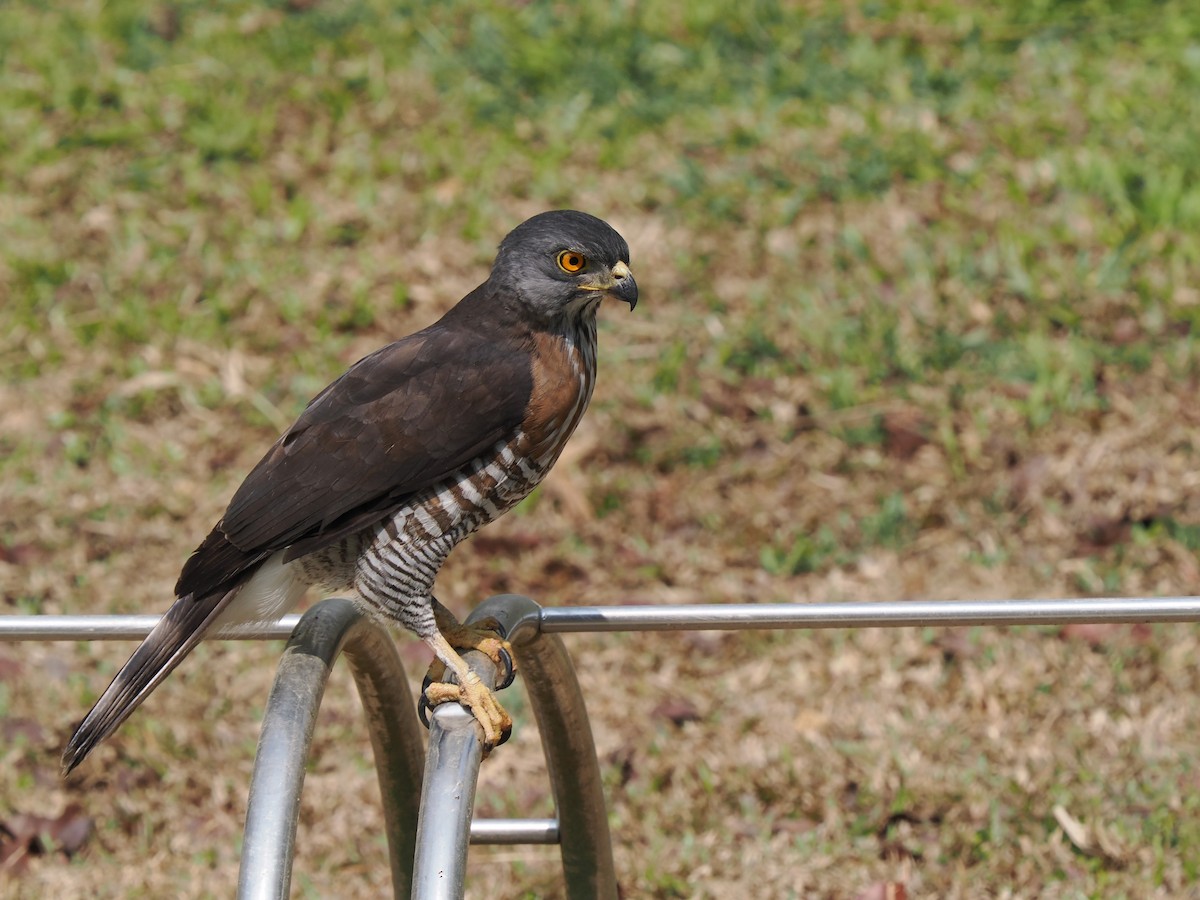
<point x="448" y="797"/>
<point x="906" y="613"/>
<point x="562" y="718"/>
<point x="699" y="617"/>
<point x="123" y="628"/>
<point x="288" y="722"/>
<point x="514" y="831"/>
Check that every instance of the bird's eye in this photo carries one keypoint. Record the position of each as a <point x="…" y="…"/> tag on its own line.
<point x="571" y="262"/>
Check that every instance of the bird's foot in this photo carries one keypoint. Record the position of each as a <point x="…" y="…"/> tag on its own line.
<point x="450" y="679"/>
<point x="475" y="695"/>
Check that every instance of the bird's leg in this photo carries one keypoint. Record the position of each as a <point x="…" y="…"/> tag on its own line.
<point x="468" y="690"/>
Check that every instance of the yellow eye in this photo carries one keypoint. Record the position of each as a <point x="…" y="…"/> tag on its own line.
<point x="571" y="262"/>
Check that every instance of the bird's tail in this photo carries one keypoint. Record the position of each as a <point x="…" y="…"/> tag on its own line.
<point x="176" y="633"/>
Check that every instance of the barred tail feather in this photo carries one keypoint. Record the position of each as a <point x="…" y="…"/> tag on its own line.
<point x="175" y="635"/>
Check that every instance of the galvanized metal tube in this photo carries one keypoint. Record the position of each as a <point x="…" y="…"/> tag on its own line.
<point x="279" y="766"/>
<point x="123" y="628"/>
<point x="448" y="797"/>
<point x="906" y="613"/>
<point x="558" y="705"/>
<point x="455" y="751"/>
<point x="514" y="831"/>
<point x="397" y="741"/>
<point x="700" y="617"/>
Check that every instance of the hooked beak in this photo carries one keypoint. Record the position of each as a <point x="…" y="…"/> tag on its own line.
<point x="619" y="285"/>
<point x="623" y="287"/>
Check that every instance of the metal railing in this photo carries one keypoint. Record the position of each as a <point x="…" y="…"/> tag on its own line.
<point x="427" y="839"/>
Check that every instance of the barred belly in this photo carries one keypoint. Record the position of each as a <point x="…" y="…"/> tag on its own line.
<point x="401" y="556"/>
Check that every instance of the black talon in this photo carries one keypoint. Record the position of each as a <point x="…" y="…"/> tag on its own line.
<point x="423" y="701"/>
<point x="510" y="670"/>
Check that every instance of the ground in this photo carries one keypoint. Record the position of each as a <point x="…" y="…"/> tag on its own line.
<point x="920" y="297"/>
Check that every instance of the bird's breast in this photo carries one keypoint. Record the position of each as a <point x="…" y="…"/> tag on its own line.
<point x="564" y="374"/>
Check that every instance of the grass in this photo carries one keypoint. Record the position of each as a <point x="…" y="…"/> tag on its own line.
<point x="920" y="306"/>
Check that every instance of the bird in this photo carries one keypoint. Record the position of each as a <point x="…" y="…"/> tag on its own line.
<point x="412" y="449"/>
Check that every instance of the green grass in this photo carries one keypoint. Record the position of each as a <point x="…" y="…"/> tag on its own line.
<point x="1029" y="118"/>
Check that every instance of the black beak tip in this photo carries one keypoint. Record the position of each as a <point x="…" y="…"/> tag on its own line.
<point x="627" y="290"/>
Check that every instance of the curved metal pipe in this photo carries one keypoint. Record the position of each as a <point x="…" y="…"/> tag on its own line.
<point x="558" y="706"/>
<point x="320" y="636"/>
<point x="448" y="796"/>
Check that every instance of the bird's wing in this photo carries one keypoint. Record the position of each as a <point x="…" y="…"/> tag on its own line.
<point x="397" y="421"/>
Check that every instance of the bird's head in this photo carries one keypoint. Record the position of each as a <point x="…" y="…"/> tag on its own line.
<point x="561" y="263"/>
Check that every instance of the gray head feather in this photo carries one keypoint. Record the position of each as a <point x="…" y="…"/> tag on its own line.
<point x="528" y="263"/>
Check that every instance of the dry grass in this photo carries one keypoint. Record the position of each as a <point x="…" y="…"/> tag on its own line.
<point x="918" y="322"/>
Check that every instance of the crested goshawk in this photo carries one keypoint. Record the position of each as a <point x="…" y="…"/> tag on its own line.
<point x="415" y="447"/>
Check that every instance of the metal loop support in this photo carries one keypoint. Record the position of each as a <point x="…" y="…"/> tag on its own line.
<point x="324" y="632"/>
